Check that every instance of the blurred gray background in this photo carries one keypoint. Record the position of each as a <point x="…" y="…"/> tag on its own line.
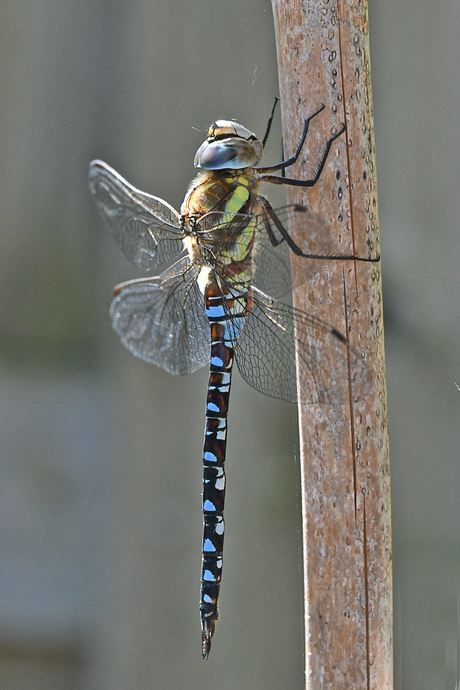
<point x="100" y="524"/>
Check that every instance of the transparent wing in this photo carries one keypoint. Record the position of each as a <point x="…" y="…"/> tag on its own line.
<point x="271" y="255"/>
<point x="146" y="228"/>
<point x="266" y="349"/>
<point x="271" y="271"/>
<point x="163" y="321"/>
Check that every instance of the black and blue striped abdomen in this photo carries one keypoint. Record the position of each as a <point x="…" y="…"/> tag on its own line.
<point x="225" y="325"/>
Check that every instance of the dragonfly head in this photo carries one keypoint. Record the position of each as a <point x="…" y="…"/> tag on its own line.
<point x="229" y="146"/>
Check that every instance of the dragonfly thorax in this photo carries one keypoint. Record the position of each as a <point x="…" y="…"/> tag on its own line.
<point x="225" y="191"/>
<point x="229" y="146"/>
<point x="199" y="254"/>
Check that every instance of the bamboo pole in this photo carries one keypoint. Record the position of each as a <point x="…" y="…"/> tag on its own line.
<point x="323" y="57"/>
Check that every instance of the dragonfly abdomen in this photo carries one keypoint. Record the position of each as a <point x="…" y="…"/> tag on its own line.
<point x="215" y="444"/>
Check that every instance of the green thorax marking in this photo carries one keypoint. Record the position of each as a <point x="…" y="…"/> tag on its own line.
<point x="232" y="241"/>
<point x="240" y="194"/>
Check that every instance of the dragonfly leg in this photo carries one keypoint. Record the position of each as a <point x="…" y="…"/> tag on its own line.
<point x="293" y="159"/>
<point x="270" y="215"/>
<point x="269" y="123"/>
<point x="273" y="179"/>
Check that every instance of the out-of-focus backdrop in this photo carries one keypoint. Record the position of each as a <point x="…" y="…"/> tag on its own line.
<point x="100" y="525"/>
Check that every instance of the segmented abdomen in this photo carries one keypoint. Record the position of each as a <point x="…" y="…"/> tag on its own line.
<point x="226" y="318"/>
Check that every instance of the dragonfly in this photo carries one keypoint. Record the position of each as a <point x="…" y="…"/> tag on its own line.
<point x="217" y="301"/>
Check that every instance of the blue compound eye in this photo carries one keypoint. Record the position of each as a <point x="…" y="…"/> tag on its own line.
<point x="232" y="153"/>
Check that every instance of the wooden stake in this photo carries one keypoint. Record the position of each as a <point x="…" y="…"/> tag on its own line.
<point x="323" y="57"/>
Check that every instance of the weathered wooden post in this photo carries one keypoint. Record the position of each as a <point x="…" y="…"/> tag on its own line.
<point x="323" y="57"/>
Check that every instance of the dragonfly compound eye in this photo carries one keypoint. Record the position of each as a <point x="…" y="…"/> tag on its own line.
<point x="229" y="153"/>
<point x="229" y="146"/>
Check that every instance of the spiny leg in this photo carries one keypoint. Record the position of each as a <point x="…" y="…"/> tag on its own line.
<point x="270" y="215"/>
<point x="302" y="183"/>
<point x="293" y="159"/>
<point x="269" y="123"/>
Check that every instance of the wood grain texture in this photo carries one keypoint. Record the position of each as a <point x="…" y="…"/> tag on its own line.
<point x="323" y="57"/>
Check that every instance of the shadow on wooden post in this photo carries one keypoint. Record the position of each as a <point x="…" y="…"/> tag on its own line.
<point x="323" y="57"/>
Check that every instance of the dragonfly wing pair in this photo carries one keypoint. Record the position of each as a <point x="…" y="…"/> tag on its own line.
<point x="163" y="321"/>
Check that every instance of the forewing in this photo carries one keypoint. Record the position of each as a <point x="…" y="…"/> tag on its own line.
<point x="279" y="343"/>
<point x="271" y="254"/>
<point x="146" y="228"/>
<point x="163" y="321"/>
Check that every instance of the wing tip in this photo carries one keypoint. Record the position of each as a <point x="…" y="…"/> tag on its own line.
<point x="97" y="163"/>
